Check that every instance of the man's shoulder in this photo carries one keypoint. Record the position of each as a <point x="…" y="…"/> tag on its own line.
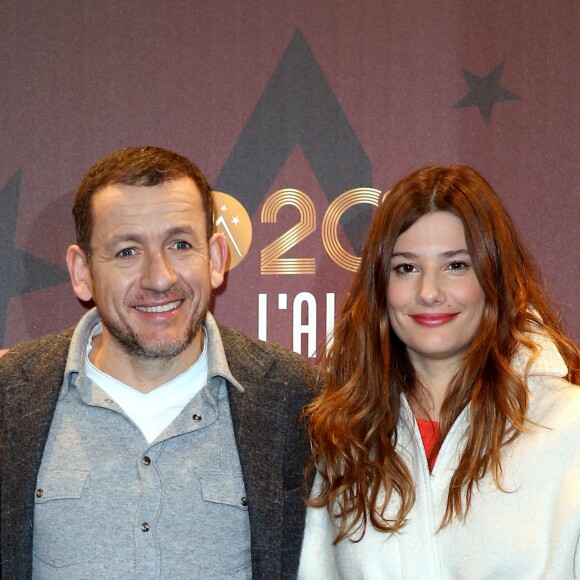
<point x="35" y="357"/>
<point x="256" y="345"/>
<point x="247" y="353"/>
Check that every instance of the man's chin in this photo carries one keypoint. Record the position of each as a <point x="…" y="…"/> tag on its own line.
<point x="153" y="345"/>
<point x="154" y="348"/>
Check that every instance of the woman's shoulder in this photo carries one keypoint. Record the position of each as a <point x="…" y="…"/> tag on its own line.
<point x="547" y="362"/>
<point x="555" y="404"/>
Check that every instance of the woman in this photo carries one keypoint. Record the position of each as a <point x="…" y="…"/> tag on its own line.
<point x="447" y="437"/>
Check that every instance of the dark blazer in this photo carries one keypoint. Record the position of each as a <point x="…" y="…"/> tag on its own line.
<point x="272" y="444"/>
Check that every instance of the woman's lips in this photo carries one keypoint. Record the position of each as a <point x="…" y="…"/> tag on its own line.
<point x="432" y="319"/>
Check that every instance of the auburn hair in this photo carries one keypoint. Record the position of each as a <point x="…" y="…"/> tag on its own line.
<point x="353" y="421"/>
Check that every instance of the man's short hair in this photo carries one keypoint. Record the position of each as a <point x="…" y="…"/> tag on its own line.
<point x="140" y="166"/>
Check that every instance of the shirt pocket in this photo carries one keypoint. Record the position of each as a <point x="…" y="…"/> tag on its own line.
<point x="64" y="534"/>
<point x="223" y="488"/>
<point x="225" y="509"/>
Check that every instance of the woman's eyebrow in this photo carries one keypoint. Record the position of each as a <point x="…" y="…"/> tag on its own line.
<point x="447" y="254"/>
<point x="407" y="255"/>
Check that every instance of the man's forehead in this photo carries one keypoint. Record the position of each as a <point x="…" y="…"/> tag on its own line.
<point x="173" y="204"/>
<point x="142" y="199"/>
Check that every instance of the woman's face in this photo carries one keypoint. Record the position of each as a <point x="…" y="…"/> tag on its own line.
<point x="435" y="302"/>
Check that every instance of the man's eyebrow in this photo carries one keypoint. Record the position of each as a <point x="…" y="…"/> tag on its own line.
<point x="133" y="237"/>
<point x="125" y="238"/>
<point x="177" y="230"/>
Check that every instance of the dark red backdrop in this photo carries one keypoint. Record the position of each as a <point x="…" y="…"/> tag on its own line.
<point x="321" y="97"/>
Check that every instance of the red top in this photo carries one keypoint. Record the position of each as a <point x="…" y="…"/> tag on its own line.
<point x="429" y="434"/>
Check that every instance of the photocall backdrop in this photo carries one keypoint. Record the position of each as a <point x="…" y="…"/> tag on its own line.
<point x="301" y="114"/>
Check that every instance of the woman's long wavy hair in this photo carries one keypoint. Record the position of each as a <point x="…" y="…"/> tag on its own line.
<point x="353" y="421"/>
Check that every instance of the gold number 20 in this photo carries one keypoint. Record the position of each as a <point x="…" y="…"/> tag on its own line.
<point x="271" y="260"/>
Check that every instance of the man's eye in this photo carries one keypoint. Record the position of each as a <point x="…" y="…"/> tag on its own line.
<point x="126" y="253"/>
<point x="181" y="245"/>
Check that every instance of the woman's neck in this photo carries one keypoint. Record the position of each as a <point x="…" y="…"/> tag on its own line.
<point x="435" y="377"/>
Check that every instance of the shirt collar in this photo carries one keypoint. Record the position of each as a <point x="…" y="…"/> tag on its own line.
<point x="75" y="363"/>
<point x="217" y="361"/>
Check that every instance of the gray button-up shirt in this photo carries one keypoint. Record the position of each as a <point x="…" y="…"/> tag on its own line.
<point x="110" y="505"/>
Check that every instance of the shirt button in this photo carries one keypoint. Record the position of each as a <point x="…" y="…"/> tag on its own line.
<point x="244" y="501"/>
<point x="109" y="401"/>
<point x="145" y="527"/>
<point x="196" y="417"/>
<point x="146" y="460"/>
<point x="39" y="492"/>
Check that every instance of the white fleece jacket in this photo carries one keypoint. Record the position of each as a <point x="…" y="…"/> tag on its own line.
<point x="530" y="531"/>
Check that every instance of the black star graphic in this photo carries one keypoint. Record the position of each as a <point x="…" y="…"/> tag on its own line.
<point x="484" y="92"/>
<point x="19" y="271"/>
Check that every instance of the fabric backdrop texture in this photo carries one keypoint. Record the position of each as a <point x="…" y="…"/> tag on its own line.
<point x="302" y="114"/>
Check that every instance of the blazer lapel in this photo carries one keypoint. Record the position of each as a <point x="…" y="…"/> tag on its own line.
<point x="260" y="421"/>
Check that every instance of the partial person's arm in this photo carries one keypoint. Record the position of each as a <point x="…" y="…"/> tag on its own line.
<point x="577" y="561"/>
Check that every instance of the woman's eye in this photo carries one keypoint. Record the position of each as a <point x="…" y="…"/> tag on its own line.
<point x="458" y="266"/>
<point x="405" y="269"/>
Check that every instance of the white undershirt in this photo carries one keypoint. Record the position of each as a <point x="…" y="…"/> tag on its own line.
<point x="152" y="412"/>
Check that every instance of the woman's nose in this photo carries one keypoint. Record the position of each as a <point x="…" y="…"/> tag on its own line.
<point x="431" y="290"/>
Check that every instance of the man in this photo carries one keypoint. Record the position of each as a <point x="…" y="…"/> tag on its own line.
<point x="149" y="442"/>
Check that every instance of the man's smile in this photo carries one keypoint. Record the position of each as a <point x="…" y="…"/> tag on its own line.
<point x="160" y="307"/>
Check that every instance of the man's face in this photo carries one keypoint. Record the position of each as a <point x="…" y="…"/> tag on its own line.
<point x="151" y="269"/>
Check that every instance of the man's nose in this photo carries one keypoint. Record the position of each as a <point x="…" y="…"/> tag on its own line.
<point x="159" y="274"/>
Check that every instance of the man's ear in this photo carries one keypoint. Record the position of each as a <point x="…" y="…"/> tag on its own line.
<point x="80" y="273"/>
<point x="218" y="254"/>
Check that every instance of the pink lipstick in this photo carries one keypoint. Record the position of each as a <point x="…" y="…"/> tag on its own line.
<point x="433" y="319"/>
